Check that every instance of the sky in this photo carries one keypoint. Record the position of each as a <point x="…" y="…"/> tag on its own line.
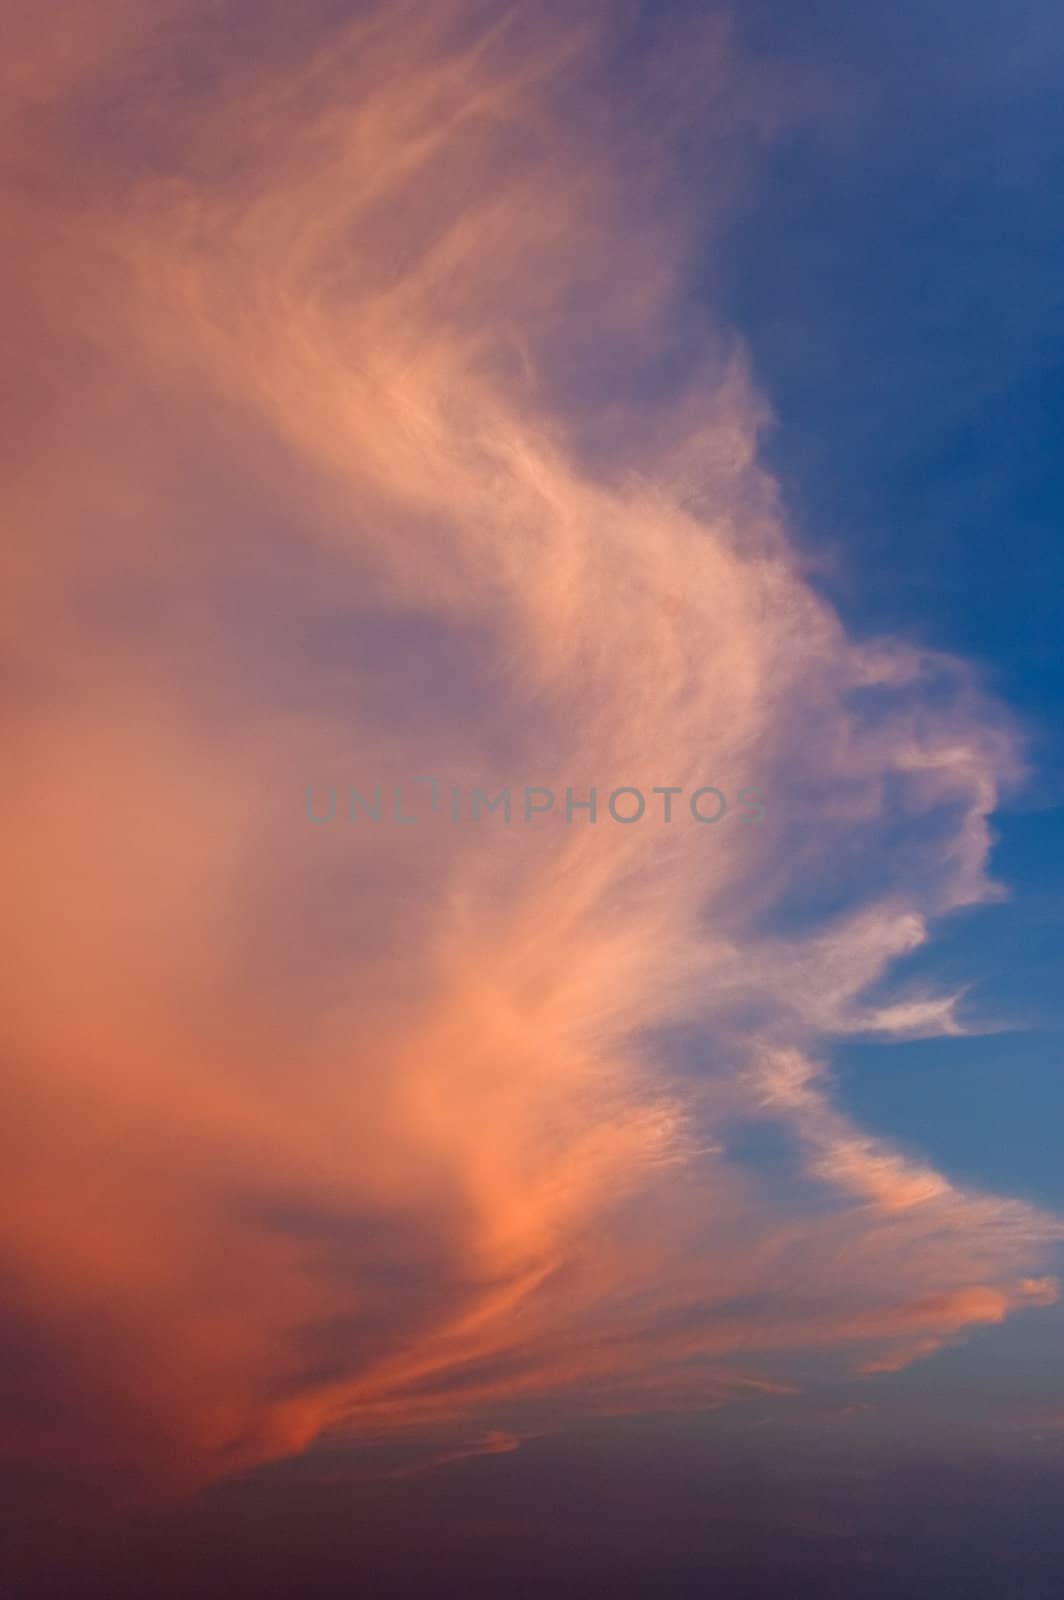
<point x="532" y="1038"/>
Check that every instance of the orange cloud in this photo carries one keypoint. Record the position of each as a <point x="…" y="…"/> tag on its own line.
<point x="355" y="1129"/>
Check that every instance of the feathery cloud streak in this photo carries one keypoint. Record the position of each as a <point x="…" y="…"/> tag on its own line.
<point x="377" y="433"/>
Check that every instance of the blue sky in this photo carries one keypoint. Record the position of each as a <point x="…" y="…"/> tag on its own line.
<point x="898" y="279"/>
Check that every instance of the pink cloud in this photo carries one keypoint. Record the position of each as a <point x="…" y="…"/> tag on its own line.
<point x="353" y="1129"/>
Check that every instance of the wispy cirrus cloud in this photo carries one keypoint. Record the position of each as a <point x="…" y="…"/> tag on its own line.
<point x="350" y="1130"/>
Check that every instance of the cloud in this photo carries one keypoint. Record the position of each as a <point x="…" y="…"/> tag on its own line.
<point x="380" y="438"/>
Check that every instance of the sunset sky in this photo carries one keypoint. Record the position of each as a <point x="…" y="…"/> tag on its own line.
<point x="647" y="411"/>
